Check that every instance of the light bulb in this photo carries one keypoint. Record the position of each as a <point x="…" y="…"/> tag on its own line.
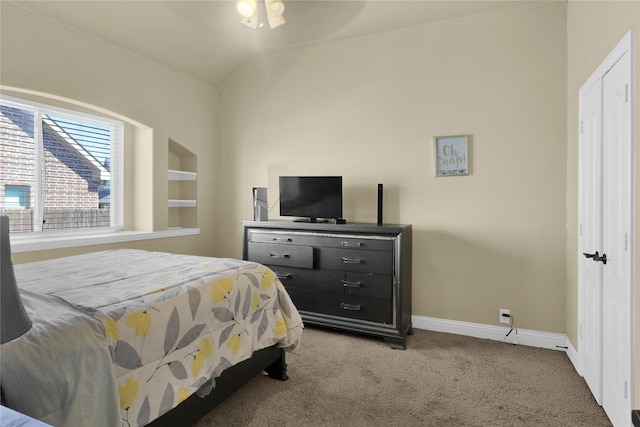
<point x="274" y="7"/>
<point x="246" y="8"/>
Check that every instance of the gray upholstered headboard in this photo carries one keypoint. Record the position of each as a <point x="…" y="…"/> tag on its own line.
<point x="14" y="320"/>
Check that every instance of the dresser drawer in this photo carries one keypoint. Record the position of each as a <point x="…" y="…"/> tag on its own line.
<point x="295" y="277"/>
<point x="351" y="283"/>
<point x="282" y="255"/>
<point x="355" y="260"/>
<point x="350" y="242"/>
<point x="355" y="307"/>
<point x="303" y="299"/>
<point x="282" y="238"/>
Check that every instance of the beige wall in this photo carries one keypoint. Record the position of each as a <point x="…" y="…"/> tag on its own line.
<point x="367" y="109"/>
<point x="594" y="28"/>
<point x="41" y="55"/>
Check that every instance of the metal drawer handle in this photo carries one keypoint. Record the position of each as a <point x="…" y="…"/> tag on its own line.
<point x="351" y="260"/>
<point x="280" y="256"/>
<point x="288" y="239"/>
<point x="352" y="307"/>
<point x="351" y="244"/>
<point x="348" y="284"/>
<point x="283" y="276"/>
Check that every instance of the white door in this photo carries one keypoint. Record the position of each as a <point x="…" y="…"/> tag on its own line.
<point x="606" y="217"/>
<point x="617" y="155"/>
<point x="590" y="238"/>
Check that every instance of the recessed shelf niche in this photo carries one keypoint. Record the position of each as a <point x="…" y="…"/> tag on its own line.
<point x="183" y="187"/>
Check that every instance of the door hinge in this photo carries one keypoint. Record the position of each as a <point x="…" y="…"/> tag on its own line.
<point x="626" y="242"/>
<point x="626" y="93"/>
<point x="580" y="331"/>
<point x="626" y="393"/>
<point x="581" y="127"/>
<point x="580" y="230"/>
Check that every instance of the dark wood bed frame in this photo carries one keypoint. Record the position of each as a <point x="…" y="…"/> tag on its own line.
<point x="270" y="359"/>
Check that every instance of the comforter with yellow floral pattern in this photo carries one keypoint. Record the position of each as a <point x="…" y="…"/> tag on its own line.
<point x="173" y="322"/>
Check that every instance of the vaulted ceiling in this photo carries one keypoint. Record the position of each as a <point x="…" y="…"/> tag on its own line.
<point x="204" y="38"/>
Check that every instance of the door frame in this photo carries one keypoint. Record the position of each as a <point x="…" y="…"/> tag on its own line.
<point x="625" y="45"/>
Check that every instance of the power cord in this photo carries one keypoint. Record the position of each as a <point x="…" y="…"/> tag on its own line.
<point x="274" y="205"/>
<point x="511" y="328"/>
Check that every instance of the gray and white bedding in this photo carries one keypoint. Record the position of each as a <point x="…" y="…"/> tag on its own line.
<point x="167" y="324"/>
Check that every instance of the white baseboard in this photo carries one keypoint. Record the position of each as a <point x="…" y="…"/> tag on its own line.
<point x="573" y="357"/>
<point x="528" y="337"/>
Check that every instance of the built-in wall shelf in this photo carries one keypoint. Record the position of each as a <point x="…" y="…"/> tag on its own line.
<point x="176" y="175"/>
<point x="182" y="175"/>
<point x="177" y="203"/>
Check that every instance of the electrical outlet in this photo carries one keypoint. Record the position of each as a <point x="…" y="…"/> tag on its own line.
<point x="505" y="315"/>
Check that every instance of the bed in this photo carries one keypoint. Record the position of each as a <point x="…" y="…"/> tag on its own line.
<point x="132" y="338"/>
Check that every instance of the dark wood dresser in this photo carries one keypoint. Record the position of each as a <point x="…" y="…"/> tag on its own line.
<point x="352" y="277"/>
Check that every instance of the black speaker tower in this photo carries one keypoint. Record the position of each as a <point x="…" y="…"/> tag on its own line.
<point x="379" y="204"/>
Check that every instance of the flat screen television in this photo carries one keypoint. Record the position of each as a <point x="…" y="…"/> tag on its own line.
<point x="311" y="197"/>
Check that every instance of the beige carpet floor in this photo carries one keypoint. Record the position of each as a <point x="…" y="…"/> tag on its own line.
<point x="340" y="379"/>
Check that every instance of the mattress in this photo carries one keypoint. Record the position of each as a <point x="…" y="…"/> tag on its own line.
<point x="172" y="323"/>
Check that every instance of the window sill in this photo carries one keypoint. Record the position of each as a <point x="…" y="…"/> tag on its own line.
<point x="43" y="241"/>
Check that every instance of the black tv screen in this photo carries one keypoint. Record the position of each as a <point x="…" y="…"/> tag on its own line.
<point x="311" y="197"/>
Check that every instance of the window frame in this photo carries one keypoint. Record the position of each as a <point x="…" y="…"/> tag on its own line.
<point x="116" y="165"/>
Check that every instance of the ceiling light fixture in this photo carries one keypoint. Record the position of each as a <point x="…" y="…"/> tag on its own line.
<point x="252" y="13"/>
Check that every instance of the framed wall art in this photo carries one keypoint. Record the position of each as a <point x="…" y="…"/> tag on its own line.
<point x="451" y="155"/>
